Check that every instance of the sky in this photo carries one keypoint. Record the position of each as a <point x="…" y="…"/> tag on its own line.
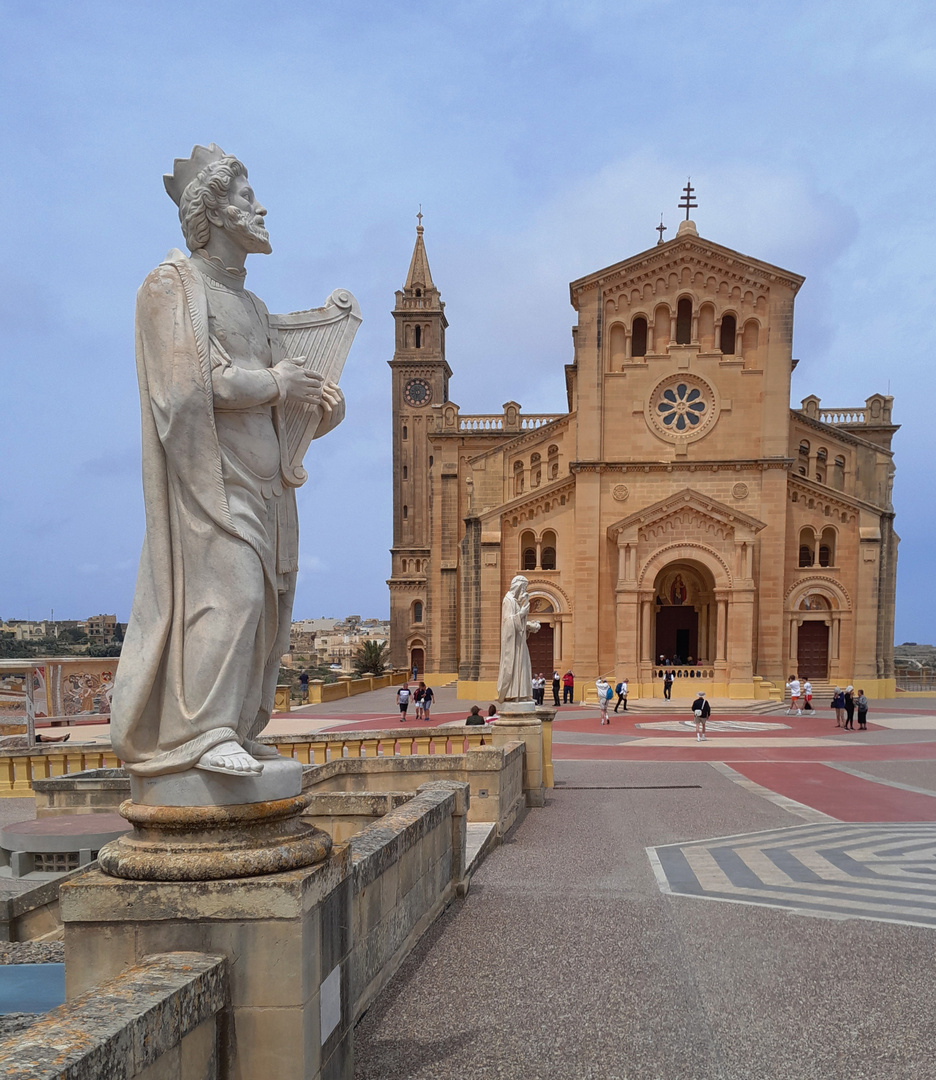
<point x="542" y="139"/>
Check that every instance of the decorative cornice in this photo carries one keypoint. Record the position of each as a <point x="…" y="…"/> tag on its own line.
<point x="679" y="251"/>
<point x="831" y="496"/>
<point x="749" y="465"/>
<point x="526" y="503"/>
<point x="685" y="499"/>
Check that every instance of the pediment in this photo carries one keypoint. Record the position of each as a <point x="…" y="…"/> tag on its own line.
<point x="687" y="508"/>
<point x="687" y="250"/>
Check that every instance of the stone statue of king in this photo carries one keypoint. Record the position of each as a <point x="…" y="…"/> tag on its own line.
<point x="213" y="603"/>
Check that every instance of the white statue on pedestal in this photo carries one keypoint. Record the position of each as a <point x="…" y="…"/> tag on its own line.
<point x="228" y="408"/>
<point x="515" y="678"/>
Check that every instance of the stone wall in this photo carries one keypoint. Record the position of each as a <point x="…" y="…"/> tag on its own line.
<point x="494" y="776"/>
<point x="406" y="869"/>
<point x="166" y="1016"/>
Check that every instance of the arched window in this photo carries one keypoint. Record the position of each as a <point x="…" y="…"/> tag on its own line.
<point x="405" y="472"/>
<point x="827" y="548"/>
<point x="639" y="337"/>
<point x="553" y="462"/>
<point x="417" y="611"/>
<point x="804" y="448"/>
<point x="838" y="474"/>
<point x="807" y="543"/>
<point x="527" y="551"/>
<point x="548" y="557"/>
<point x="405" y="512"/>
<point x="684" y="321"/>
<point x="618" y="344"/>
<point x="419" y="292"/>
<point x="417" y="337"/>
<point x="405" y="432"/>
<point x="729" y="331"/>
<point x="518" y="478"/>
<point x="822" y="457"/>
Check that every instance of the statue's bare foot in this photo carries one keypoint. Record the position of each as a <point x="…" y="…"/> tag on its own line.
<point x="229" y="758"/>
<point x="260" y="750"/>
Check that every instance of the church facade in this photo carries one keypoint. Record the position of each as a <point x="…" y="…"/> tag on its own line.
<point x="677" y="510"/>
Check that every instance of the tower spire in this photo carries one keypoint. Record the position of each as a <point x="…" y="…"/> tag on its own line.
<point x="419" y="276"/>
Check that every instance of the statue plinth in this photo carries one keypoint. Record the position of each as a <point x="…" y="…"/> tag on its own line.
<point x="207" y="843"/>
<point x="281" y="778"/>
<point x="524" y="720"/>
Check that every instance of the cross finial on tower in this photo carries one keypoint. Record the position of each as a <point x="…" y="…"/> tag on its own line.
<point x="661" y="228"/>
<point x="686" y="203"/>
<point x="419" y="217"/>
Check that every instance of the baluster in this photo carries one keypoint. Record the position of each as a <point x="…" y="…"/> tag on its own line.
<point x="319" y="751"/>
<point x="422" y="744"/>
<point x="404" y="745"/>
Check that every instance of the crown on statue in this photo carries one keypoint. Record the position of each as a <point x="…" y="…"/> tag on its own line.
<point x="184" y="170"/>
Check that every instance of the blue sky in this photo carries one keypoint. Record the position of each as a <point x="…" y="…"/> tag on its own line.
<point x="542" y="139"/>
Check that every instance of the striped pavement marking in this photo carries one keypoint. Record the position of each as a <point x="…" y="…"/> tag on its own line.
<point x="883" y="872"/>
<point x="715" y="725"/>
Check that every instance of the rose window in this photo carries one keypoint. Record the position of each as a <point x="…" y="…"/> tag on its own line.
<point x="682" y="407"/>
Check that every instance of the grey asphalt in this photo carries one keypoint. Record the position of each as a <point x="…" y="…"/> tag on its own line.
<point x="566" y="961"/>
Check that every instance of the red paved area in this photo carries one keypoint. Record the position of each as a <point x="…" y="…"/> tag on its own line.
<point x="848" y="798"/>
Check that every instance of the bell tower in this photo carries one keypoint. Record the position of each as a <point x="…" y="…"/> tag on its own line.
<point x="420" y="376"/>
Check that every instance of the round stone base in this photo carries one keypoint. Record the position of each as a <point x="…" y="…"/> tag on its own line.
<point x="206" y="843"/>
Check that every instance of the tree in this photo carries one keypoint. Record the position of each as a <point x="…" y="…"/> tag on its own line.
<point x="371" y="658"/>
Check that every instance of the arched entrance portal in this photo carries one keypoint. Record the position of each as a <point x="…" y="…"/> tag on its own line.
<point x="684" y="599"/>
<point x="418" y="660"/>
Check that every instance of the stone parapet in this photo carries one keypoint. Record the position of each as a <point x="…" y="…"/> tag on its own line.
<point x="166" y="1015"/>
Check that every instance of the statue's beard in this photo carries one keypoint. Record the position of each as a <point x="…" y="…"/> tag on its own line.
<point x="247" y="231"/>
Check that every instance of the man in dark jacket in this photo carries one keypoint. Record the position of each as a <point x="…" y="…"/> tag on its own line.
<point x="701" y="710"/>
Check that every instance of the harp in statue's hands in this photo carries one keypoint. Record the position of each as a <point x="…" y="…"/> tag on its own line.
<point x="322" y="338"/>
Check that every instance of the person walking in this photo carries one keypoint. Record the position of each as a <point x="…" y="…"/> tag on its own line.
<point x="418" y="700"/>
<point x="849" y="708"/>
<point x="427" y="700"/>
<point x="621" y="691"/>
<point x="668" y="685"/>
<point x="862" y="702"/>
<point x="807" y="696"/>
<point x="402" y="697"/>
<point x="701" y="710"/>
<point x="568" y="685"/>
<point x="794" y="687"/>
<point x="304" y="686"/>
<point x="604" y="696"/>
<point x="838" y="703"/>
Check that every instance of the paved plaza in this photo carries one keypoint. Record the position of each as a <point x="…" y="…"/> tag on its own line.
<point x="760" y="906"/>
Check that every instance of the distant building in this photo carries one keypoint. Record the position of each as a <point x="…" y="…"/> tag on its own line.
<point x="101" y="629"/>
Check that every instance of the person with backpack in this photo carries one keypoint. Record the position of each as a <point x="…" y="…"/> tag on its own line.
<point x="668" y="685"/>
<point x="701" y="710"/>
<point x="402" y="697"/>
<point x="605" y="693"/>
<point x="621" y="691"/>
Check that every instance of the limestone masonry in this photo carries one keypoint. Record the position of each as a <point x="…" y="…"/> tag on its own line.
<point x="679" y="508"/>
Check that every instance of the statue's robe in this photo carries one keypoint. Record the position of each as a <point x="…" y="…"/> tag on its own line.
<point x="514" y="679"/>
<point x="213" y="602"/>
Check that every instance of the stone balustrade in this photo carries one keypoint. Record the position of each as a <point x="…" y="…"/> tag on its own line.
<point x="843" y="416"/>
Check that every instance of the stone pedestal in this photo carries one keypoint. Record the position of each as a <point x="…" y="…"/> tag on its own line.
<point x="207" y="843"/>
<point x="523" y="720"/>
<point x="287" y="937"/>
